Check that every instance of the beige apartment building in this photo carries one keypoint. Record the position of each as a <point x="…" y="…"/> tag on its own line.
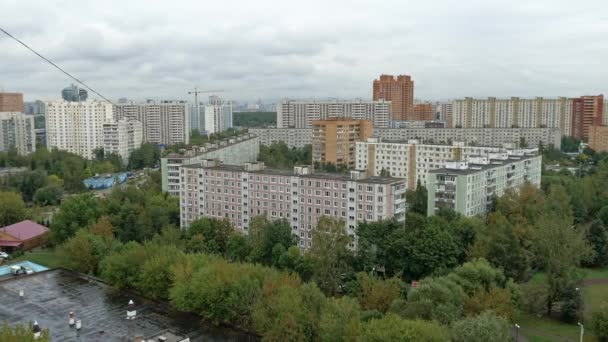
<point x="333" y="140"/>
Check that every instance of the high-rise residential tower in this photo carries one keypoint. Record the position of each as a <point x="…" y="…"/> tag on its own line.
<point x="17" y="131"/>
<point x="122" y="137"/>
<point x="587" y="111"/>
<point x="400" y="91"/>
<point x="77" y="127"/>
<point x="164" y="122"/>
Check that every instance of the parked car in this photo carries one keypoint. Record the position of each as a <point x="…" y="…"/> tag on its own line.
<point x="3" y="255"/>
<point x="20" y="270"/>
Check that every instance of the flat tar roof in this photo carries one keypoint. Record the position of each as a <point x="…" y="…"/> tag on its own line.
<point x="51" y="295"/>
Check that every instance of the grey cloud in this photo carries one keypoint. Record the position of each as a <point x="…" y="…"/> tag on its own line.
<point x="273" y="49"/>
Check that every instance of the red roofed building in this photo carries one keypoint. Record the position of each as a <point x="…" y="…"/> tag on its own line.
<point x="24" y="235"/>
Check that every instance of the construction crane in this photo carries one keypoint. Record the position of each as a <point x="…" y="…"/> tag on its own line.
<point x="196" y="92"/>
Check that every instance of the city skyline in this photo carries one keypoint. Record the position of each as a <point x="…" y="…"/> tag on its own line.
<point x="268" y="51"/>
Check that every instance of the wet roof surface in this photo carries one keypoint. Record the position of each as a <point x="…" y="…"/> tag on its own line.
<point x="51" y="295"/>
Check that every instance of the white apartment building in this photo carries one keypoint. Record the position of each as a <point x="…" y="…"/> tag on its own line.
<point x="301" y="114"/>
<point x="292" y="137"/>
<point x="77" y="127"/>
<point x="218" y="117"/>
<point x="412" y="159"/>
<point x="17" y="131"/>
<point x="163" y="122"/>
<point x="532" y="137"/>
<point x="122" y="138"/>
<point x="443" y="111"/>
<point x="513" y="112"/>
<point x="239" y="193"/>
<point x="468" y="187"/>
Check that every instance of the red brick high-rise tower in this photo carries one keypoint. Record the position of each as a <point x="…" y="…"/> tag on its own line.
<point x="400" y="91"/>
<point x="587" y="111"/>
<point x="11" y="102"/>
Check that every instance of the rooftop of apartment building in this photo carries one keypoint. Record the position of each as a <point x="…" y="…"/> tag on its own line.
<point x="49" y="297"/>
<point x="259" y="168"/>
<point x="478" y="164"/>
<point x="210" y="146"/>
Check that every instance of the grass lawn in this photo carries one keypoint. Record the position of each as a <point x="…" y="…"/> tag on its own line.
<point x="546" y="329"/>
<point x="45" y="257"/>
<point x="594" y="297"/>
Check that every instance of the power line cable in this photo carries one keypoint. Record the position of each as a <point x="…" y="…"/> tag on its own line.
<point x="55" y="65"/>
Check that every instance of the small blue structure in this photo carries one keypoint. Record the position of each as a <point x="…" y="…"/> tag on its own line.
<point x="100" y="182"/>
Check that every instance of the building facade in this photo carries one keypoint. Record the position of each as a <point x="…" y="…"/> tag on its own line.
<point x="239" y="193"/>
<point x="531" y="137"/>
<point x="122" y="137"/>
<point x="598" y="138"/>
<point x="399" y="91"/>
<point x="587" y="111"/>
<point x="423" y="111"/>
<point x="292" y="137"/>
<point x="77" y="127"/>
<point x="11" y="102"/>
<point x="333" y="141"/>
<point x="17" y="131"/>
<point x="513" y="112"/>
<point x="301" y="114"/>
<point x="218" y="117"/>
<point x="468" y="187"/>
<point x="238" y="150"/>
<point x="164" y="122"/>
<point x="443" y="111"/>
<point x="412" y="159"/>
<point x="34" y="108"/>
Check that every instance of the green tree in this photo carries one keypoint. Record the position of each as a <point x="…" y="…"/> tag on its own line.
<point x="238" y="247"/>
<point x="75" y="212"/>
<point x="417" y="199"/>
<point x="265" y="235"/>
<point x="377" y="294"/>
<point x="330" y="253"/>
<point x="12" y="209"/>
<point x="147" y="155"/>
<point x="48" y="195"/>
<point x="597" y="236"/>
<point x="485" y="327"/>
<point x="21" y="333"/>
<point x="393" y="328"/>
<point x="73" y="173"/>
<point x="155" y="276"/>
<point x="215" y="233"/>
<point x="440" y="299"/>
<point x="79" y="252"/>
<point x="30" y="182"/>
<point x="599" y="323"/>
<point x="340" y="320"/>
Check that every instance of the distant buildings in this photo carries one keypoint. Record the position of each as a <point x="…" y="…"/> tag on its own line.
<point x="17" y="131"/>
<point x="164" y="122"/>
<point x="598" y="138"/>
<point x="214" y="117"/>
<point x="422" y="111"/>
<point x="468" y="187"/>
<point x="34" y="108"/>
<point x="11" y="102"/>
<point x="530" y="137"/>
<point x="292" y="137"/>
<point x="122" y="137"/>
<point x="74" y="93"/>
<point x="333" y="140"/>
<point x="77" y="127"/>
<point x="301" y="114"/>
<point x="237" y="150"/>
<point x="399" y="91"/>
<point x="443" y="111"/>
<point x="587" y="111"/>
<point x="239" y="193"/>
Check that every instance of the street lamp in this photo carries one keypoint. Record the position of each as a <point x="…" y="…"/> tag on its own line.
<point x="517" y="332"/>
<point x="582" y="331"/>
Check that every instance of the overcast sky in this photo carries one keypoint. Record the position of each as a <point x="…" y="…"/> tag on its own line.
<point x="301" y="49"/>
